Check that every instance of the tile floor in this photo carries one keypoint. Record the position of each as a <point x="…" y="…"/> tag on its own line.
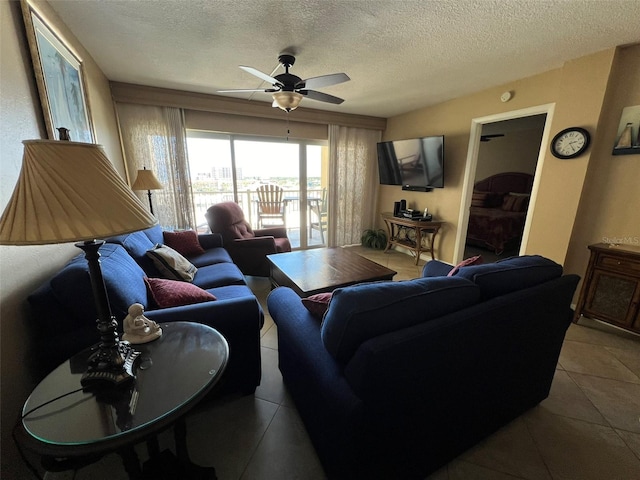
<point x="588" y="428"/>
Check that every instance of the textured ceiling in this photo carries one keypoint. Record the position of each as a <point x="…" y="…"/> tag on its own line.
<point x="400" y="55"/>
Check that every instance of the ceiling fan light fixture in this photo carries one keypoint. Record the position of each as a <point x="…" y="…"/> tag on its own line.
<point x="287" y="101"/>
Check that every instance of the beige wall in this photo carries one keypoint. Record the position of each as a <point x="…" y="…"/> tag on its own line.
<point x="22" y="269"/>
<point x="609" y="209"/>
<point x="578" y="92"/>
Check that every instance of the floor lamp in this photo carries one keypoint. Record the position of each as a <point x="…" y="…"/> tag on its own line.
<point x="69" y="191"/>
<point x="146" y="180"/>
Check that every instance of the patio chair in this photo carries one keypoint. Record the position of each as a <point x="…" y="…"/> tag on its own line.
<point x="271" y="205"/>
<point x="318" y="209"/>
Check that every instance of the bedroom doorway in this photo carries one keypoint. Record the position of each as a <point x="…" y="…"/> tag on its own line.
<point x="505" y="154"/>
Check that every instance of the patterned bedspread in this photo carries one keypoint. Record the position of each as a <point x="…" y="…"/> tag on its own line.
<point x="494" y="227"/>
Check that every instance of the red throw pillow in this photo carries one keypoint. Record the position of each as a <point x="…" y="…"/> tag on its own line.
<point x="185" y="242"/>
<point x="477" y="260"/>
<point x="317" y="304"/>
<point x="174" y="293"/>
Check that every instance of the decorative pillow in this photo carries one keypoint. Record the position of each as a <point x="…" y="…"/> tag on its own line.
<point x="515" y="203"/>
<point x="184" y="242"/>
<point x="477" y="260"/>
<point x="171" y="264"/>
<point x="171" y="293"/>
<point x="317" y="304"/>
<point x="479" y="199"/>
<point x="486" y="199"/>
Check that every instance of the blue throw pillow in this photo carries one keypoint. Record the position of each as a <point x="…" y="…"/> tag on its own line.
<point x="510" y="274"/>
<point x="361" y="312"/>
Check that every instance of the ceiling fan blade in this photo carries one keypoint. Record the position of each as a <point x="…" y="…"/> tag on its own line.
<point x="322" y="97"/>
<point x="259" y="74"/>
<point x="248" y="90"/>
<point x="323" y="81"/>
<point x="487" y="138"/>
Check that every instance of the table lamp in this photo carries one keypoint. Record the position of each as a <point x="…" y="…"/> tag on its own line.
<point x="146" y="180"/>
<point x="69" y="191"/>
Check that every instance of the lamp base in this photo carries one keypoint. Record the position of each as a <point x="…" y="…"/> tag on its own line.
<point x="110" y="365"/>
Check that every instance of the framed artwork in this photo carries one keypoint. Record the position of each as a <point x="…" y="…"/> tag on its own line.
<point x="628" y="136"/>
<point x="60" y="80"/>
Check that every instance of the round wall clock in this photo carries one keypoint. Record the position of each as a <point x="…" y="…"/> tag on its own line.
<point x="570" y="142"/>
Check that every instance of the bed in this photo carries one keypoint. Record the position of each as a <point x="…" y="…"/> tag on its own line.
<point x="498" y="210"/>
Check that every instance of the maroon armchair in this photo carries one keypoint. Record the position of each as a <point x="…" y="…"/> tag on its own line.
<point x="248" y="248"/>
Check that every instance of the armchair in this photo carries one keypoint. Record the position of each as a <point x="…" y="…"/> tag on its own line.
<point x="248" y="248"/>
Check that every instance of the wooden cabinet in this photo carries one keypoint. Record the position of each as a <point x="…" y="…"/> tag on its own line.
<point x="611" y="288"/>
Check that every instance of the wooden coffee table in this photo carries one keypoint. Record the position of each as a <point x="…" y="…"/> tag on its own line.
<point x="319" y="270"/>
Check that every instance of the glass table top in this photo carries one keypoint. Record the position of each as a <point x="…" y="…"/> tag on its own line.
<point x="172" y="373"/>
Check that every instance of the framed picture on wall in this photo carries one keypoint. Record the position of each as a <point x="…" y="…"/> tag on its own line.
<point x="60" y="79"/>
<point x="628" y="136"/>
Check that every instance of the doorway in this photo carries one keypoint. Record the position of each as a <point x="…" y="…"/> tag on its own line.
<point x="508" y="142"/>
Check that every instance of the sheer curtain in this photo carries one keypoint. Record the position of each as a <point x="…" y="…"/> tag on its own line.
<point x="155" y="138"/>
<point x="353" y="192"/>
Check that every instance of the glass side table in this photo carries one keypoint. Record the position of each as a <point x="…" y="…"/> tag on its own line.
<point x="173" y="374"/>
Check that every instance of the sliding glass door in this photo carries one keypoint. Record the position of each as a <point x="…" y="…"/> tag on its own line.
<point x="232" y="167"/>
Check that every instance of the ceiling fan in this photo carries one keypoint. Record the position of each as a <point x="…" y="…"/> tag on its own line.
<point x="288" y="89"/>
<point x="487" y="138"/>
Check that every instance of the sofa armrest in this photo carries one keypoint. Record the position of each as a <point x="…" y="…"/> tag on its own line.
<point x="307" y="367"/>
<point x="210" y="240"/>
<point x="277" y="232"/>
<point x="436" y="268"/>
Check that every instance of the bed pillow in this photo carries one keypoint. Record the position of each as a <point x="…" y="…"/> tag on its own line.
<point x="479" y="199"/>
<point x="171" y="264"/>
<point x="515" y="203"/>
<point x="184" y="242"/>
<point x="486" y="199"/>
<point x="172" y="293"/>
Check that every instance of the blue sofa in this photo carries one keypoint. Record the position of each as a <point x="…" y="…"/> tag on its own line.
<point x="64" y="314"/>
<point x="399" y="378"/>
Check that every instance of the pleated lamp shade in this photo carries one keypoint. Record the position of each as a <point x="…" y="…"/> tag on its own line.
<point x="66" y="192"/>
<point x="146" y="180"/>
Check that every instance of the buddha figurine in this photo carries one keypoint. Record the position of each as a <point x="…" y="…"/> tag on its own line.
<point x="138" y="328"/>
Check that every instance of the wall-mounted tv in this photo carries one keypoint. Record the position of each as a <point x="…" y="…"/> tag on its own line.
<point x="416" y="164"/>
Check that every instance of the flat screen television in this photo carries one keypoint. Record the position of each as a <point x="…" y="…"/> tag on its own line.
<point x="416" y="164"/>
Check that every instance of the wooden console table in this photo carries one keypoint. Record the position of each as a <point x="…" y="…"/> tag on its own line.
<point x="611" y="288"/>
<point x="395" y="225"/>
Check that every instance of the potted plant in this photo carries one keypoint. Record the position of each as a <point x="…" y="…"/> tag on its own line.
<point x="374" y="238"/>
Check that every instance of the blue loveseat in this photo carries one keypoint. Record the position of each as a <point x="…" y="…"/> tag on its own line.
<point x="398" y="378"/>
<point x="63" y="320"/>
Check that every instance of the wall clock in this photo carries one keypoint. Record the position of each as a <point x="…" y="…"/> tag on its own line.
<point x="570" y="142"/>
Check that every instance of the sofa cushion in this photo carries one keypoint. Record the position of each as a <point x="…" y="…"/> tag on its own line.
<point x="171" y="264"/>
<point x="510" y="274"/>
<point x="154" y="234"/>
<point x="173" y="293"/>
<point x="123" y="278"/>
<point x="318" y="304"/>
<point x="137" y="244"/>
<point x="211" y="276"/>
<point x="361" y="312"/>
<point x="211" y="257"/>
<point x="184" y="242"/>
